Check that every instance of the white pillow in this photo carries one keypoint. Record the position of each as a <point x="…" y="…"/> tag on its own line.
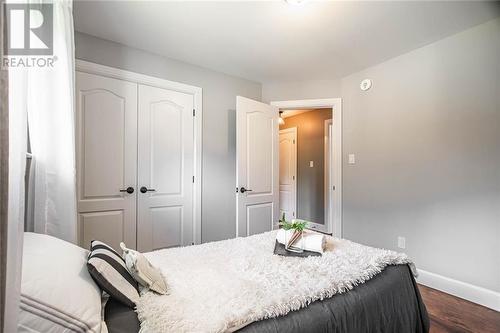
<point x="57" y="292"/>
<point x="143" y="272"/>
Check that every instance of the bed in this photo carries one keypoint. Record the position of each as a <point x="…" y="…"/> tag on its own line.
<point x="388" y="302"/>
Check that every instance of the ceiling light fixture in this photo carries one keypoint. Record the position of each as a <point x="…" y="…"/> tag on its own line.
<point x="295" y="2"/>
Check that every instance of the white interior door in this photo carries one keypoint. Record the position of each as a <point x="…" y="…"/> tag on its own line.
<point x="165" y="168"/>
<point x="257" y="166"/>
<point x="288" y="173"/>
<point x="106" y="125"/>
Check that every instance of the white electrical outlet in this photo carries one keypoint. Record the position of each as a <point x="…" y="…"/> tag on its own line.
<point x="401" y="242"/>
<point x="352" y="159"/>
<point x="311" y="164"/>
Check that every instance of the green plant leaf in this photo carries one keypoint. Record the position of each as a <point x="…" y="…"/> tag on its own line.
<point x="298" y="225"/>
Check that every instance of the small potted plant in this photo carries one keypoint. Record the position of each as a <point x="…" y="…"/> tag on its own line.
<point x="294" y="233"/>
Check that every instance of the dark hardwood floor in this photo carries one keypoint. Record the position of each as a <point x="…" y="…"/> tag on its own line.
<point x="455" y="315"/>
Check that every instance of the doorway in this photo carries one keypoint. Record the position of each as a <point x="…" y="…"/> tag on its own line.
<point x="317" y="175"/>
<point x="257" y="164"/>
<point x="304" y="162"/>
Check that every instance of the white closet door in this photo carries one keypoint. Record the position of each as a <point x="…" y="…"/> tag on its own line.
<point x="288" y="173"/>
<point x="165" y="168"/>
<point x="106" y="159"/>
<point x="257" y="166"/>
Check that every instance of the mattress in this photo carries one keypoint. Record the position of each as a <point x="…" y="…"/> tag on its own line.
<point x="389" y="302"/>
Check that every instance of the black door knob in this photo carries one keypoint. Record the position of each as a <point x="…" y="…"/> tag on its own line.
<point x="243" y="190"/>
<point x="129" y="190"/>
<point x="144" y="189"/>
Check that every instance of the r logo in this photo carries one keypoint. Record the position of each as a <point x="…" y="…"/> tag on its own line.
<point x="29" y="29"/>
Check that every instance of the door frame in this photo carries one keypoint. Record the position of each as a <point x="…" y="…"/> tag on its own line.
<point x="197" y="92"/>
<point x="292" y="130"/>
<point x="327" y="170"/>
<point x="335" y="223"/>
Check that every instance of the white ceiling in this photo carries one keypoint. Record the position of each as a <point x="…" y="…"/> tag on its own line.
<point x="291" y="113"/>
<point x="274" y="41"/>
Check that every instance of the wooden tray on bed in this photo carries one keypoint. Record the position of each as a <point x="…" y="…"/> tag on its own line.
<point x="279" y="249"/>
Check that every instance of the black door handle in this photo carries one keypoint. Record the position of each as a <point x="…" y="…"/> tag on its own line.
<point x="144" y="189"/>
<point x="243" y="190"/>
<point x="129" y="190"/>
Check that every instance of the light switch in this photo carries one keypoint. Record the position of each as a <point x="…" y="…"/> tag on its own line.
<point x="401" y="242"/>
<point x="352" y="159"/>
<point x="311" y="164"/>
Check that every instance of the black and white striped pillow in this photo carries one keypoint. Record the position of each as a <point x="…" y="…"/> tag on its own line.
<point x="108" y="270"/>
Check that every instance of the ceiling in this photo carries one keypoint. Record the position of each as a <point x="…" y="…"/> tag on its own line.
<point x="275" y="41"/>
<point x="291" y="113"/>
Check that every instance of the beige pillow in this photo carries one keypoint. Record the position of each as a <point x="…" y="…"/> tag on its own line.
<point x="142" y="271"/>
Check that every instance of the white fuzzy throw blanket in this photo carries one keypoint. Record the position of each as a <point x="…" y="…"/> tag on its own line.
<point x="223" y="286"/>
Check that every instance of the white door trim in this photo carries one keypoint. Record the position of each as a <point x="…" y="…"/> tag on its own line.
<point x="327" y="170"/>
<point x="292" y="130"/>
<point x="335" y="225"/>
<point x="197" y="92"/>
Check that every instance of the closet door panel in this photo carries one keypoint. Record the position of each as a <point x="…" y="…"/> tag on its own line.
<point x="108" y="226"/>
<point x="106" y="159"/>
<point x="165" y="168"/>
<point x="166" y="156"/>
<point x="167" y="226"/>
<point x="103" y="164"/>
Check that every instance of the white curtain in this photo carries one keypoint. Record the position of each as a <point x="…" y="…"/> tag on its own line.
<point x="17" y="165"/>
<point x="51" y="119"/>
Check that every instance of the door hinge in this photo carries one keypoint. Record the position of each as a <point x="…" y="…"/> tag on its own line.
<point x="293" y="141"/>
<point x="293" y="214"/>
<point x="333" y="188"/>
<point x="293" y="177"/>
<point x="193" y="179"/>
<point x="194" y="113"/>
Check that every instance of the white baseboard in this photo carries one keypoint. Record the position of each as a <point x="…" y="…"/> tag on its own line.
<point x="470" y="292"/>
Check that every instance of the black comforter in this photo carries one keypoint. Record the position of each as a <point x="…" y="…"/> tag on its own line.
<point x="390" y="302"/>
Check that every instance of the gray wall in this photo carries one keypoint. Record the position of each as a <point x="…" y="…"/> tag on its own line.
<point x="219" y="121"/>
<point x="426" y="139"/>
<point x="300" y="90"/>
<point x="427" y="145"/>
<point x="310" y="147"/>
